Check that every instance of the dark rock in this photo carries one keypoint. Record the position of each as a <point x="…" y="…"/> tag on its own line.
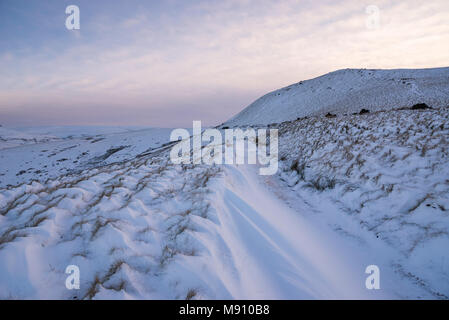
<point x="364" y="111"/>
<point x="420" y="106"/>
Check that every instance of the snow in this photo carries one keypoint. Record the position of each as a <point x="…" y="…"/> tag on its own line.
<point x="17" y="136"/>
<point x="121" y="224"/>
<point x="351" y="191"/>
<point x="12" y="138"/>
<point x="173" y="235"/>
<point x="74" y="150"/>
<point x="385" y="172"/>
<point x="66" y="132"/>
<point x="349" y="91"/>
<point x="143" y="228"/>
<point x="280" y="254"/>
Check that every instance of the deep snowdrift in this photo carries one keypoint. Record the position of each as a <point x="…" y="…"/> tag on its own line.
<point x="349" y="91"/>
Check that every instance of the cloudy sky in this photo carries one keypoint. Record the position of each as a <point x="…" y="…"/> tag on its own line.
<point x="166" y="63"/>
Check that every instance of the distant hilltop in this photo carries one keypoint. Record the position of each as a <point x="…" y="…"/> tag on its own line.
<point x="349" y="91"/>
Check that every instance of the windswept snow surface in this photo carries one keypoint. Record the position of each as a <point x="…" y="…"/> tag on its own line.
<point x="349" y="91"/>
<point x="386" y="172"/>
<point x="351" y="192"/>
<point x="263" y="249"/>
<point x="151" y="230"/>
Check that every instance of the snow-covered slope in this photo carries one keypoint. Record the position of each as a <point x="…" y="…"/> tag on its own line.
<point x="16" y="136"/>
<point x="351" y="191"/>
<point x="383" y="173"/>
<point x="147" y="229"/>
<point x="349" y="91"/>
<point x="10" y="138"/>
<point x="72" y="150"/>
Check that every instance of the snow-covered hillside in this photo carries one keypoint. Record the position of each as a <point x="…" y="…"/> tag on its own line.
<point x="17" y="136"/>
<point x="10" y="138"/>
<point x="148" y="229"/>
<point x="349" y="91"/>
<point x="384" y="174"/>
<point x="72" y="150"/>
<point x="351" y="191"/>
